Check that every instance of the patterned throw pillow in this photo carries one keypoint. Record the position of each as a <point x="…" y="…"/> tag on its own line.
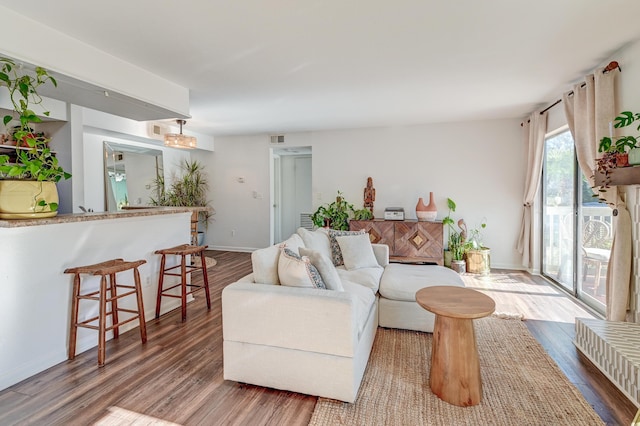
<point x="296" y="271"/>
<point x="336" y="254"/>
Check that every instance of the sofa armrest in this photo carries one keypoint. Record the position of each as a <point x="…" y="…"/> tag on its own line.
<point x="381" y="251"/>
<point x="306" y="319"/>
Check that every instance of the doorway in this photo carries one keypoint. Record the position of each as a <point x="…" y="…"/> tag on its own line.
<point x="290" y="191"/>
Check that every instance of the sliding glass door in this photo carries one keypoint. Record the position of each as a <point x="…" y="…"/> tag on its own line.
<point x="577" y="229"/>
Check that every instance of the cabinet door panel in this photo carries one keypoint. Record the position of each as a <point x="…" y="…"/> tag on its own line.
<point x="380" y="232"/>
<point x="419" y="240"/>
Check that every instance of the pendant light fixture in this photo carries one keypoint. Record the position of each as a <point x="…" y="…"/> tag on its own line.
<point x="176" y="140"/>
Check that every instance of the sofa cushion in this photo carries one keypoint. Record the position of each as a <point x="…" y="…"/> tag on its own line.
<point x="336" y="254"/>
<point x="366" y="277"/>
<point x="357" y="252"/>
<point x="265" y="261"/>
<point x="317" y="240"/>
<point x="401" y="282"/>
<point x="363" y="302"/>
<point x="325" y="267"/>
<point x="296" y="271"/>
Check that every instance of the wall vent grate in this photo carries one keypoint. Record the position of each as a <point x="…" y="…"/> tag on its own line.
<point x="305" y="221"/>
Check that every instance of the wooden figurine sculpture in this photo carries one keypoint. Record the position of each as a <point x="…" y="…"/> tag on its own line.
<point x="369" y="195"/>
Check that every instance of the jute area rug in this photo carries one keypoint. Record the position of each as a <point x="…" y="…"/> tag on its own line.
<point x="210" y="261"/>
<point x="521" y="384"/>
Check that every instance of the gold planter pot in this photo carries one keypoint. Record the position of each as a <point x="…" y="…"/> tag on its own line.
<point x="479" y="261"/>
<point x="24" y="199"/>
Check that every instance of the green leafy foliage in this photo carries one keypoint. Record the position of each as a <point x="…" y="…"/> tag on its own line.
<point x="335" y="215"/>
<point x="188" y="190"/>
<point x="34" y="161"/>
<point x="621" y="144"/>
<point x="362" y="214"/>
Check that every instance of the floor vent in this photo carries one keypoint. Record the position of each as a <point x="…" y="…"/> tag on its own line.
<point x="614" y="347"/>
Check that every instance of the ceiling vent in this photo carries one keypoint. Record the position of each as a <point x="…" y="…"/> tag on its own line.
<point x="156" y="130"/>
<point x="277" y="139"/>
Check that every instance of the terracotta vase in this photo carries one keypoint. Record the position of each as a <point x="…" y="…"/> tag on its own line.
<point x="426" y="212"/>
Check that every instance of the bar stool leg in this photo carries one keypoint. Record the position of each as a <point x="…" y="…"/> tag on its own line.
<point x="183" y="273"/>
<point x="113" y="293"/>
<point x="160" y="285"/>
<point x="143" y="325"/>
<point x="73" y="328"/>
<point x="102" y="321"/>
<point x="205" y="277"/>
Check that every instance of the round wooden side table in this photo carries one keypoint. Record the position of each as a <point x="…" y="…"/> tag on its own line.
<point x="455" y="367"/>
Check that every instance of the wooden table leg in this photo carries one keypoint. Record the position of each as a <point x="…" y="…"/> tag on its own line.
<point x="455" y="367"/>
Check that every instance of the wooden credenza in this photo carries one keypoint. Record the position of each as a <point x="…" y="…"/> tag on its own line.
<point x="408" y="240"/>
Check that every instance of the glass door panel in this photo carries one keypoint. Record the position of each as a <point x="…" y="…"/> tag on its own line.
<point x="559" y="218"/>
<point x="595" y="239"/>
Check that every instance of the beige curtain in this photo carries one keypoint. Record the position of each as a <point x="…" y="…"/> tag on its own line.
<point x="589" y="110"/>
<point x="534" y="131"/>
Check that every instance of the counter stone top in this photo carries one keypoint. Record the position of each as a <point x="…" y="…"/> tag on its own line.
<point x="85" y="217"/>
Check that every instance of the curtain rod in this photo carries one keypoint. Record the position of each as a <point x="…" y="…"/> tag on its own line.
<point x="612" y="65"/>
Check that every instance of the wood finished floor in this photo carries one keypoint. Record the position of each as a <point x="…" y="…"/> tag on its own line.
<point x="177" y="375"/>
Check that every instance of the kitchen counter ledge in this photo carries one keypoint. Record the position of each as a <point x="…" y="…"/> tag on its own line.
<point x="85" y="217"/>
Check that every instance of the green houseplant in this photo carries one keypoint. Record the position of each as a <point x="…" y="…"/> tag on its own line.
<point x="335" y="215"/>
<point x="34" y="169"/>
<point x="477" y="255"/>
<point x="456" y="240"/>
<point x="188" y="190"/>
<point x="618" y="151"/>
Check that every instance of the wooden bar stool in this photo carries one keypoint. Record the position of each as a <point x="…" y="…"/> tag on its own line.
<point x="183" y="251"/>
<point x="106" y="269"/>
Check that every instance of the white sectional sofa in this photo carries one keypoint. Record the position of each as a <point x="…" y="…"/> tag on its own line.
<point x="280" y="331"/>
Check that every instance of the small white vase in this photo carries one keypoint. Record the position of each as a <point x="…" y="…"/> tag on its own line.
<point x="634" y="156"/>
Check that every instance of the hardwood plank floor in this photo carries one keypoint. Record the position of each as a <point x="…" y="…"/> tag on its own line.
<point x="177" y="375"/>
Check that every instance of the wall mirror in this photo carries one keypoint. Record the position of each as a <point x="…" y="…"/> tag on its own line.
<point x="130" y="173"/>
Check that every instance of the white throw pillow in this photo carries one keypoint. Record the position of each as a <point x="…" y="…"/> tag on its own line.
<point x="265" y="265"/>
<point x="336" y="253"/>
<point x="325" y="266"/>
<point x="357" y="252"/>
<point x="293" y="243"/>
<point x="296" y="271"/>
<point x="265" y="261"/>
<point x="317" y="240"/>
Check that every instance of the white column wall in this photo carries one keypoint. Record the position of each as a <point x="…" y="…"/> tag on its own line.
<point x="35" y="309"/>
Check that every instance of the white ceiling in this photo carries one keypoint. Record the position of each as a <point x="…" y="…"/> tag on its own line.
<point x="295" y="65"/>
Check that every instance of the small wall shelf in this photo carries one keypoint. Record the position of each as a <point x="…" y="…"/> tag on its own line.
<point x="621" y="176"/>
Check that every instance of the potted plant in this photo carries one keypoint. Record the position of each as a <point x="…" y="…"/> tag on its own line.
<point x="478" y="256"/>
<point x="335" y="215"/>
<point x="618" y="151"/>
<point x="457" y="247"/>
<point x="188" y="190"/>
<point x="27" y="179"/>
<point x="448" y="220"/>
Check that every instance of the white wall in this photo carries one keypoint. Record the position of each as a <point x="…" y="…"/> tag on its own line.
<point x="241" y="221"/>
<point x="477" y="164"/>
